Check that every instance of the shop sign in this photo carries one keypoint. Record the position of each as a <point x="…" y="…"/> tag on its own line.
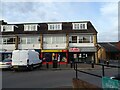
<point x="64" y="50"/>
<point x="54" y="50"/>
<point x="74" y="50"/>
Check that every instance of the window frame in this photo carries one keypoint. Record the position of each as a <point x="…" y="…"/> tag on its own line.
<point x="79" y="26"/>
<point x="7" y="28"/>
<point x="57" y="26"/>
<point x="29" y="27"/>
<point x="6" y="40"/>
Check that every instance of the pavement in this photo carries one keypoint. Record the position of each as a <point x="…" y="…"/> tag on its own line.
<point x="80" y="66"/>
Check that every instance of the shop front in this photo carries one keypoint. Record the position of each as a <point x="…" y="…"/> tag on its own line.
<point x="83" y="55"/>
<point x="50" y="55"/>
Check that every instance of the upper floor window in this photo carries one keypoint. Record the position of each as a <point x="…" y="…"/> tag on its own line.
<point x="79" y="26"/>
<point x="31" y="27"/>
<point x="10" y="40"/>
<point x="29" y="40"/>
<point x="54" y="26"/>
<point x="54" y="39"/>
<point x="81" y="39"/>
<point x="7" y="28"/>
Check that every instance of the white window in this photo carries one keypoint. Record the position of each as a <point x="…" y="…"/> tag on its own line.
<point x="32" y="27"/>
<point x="54" y="40"/>
<point x="78" y="26"/>
<point x="47" y="40"/>
<point x="7" y="28"/>
<point x="30" y="40"/>
<point x="10" y="40"/>
<point x="54" y="26"/>
<point x="84" y="39"/>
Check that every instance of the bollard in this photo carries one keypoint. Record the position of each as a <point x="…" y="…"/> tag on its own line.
<point x="71" y="64"/>
<point x="107" y="62"/>
<point x="92" y="64"/>
<point x="47" y="65"/>
<point x="59" y="64"/>
<point x="74" y="65"/>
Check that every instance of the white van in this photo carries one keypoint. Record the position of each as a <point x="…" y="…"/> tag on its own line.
<point x="25" y="59"/>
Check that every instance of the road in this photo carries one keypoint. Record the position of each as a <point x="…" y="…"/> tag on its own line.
<point x="49" y="78"/>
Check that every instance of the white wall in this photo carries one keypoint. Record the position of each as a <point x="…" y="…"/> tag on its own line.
<point x="54" y="46"/>
<point x="29" y="46"/>
<point x="8" y="47"/>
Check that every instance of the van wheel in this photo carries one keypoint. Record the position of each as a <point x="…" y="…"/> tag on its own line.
<point x="30" y="68"/>
<point x="15" y="70"/>
<point x="40" y="64"/>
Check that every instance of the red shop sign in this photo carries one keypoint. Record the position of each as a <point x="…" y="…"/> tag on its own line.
<point x="64" y="50"/>
<point x="74" y="50"/>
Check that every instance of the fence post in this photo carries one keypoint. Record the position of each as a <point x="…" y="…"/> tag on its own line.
<point x="76" y="70"/>
<point x="103" y="72"/>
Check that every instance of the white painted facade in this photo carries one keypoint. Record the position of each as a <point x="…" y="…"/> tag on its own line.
<point x="8" y="47"/>
<point x="29" y="46"/>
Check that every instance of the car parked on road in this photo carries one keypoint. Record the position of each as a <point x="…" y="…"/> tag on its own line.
<point x="6" y="64"/>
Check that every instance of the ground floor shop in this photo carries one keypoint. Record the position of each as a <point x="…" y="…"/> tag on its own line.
<point x="85" y="55"/>
<point x="82" y="54"/>
<point x="49" y="56"/>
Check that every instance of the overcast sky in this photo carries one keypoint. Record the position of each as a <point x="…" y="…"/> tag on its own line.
<point x="103" y="15"/>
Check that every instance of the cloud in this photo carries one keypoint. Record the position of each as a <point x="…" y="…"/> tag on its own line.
<point x="103" y="15"/>
<point x="30" y="11"/>
<point x="109" y="15"/>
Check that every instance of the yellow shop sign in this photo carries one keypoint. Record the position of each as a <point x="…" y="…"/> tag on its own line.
<point x="51" y="50"/>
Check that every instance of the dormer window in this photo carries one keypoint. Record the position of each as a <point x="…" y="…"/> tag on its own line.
<point x="79" y="26"/>
<point x="54" y="26"/>
<point x="30" y="27"/>
<point x="7" y="28"/>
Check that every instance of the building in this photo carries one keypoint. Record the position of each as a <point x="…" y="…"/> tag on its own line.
<point x="62" y="41"/>
<point x="108" y="51"/>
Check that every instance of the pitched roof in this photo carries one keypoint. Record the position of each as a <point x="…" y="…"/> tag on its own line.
<point x="109" y="47"/>
<point x="43" y="29"/>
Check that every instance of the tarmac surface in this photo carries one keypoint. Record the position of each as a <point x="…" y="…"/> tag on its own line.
<point x="60" y="77"/>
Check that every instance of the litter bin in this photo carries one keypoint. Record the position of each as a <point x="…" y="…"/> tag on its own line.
<point x="110" y="82"/>
<point x="54" y="63"/>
